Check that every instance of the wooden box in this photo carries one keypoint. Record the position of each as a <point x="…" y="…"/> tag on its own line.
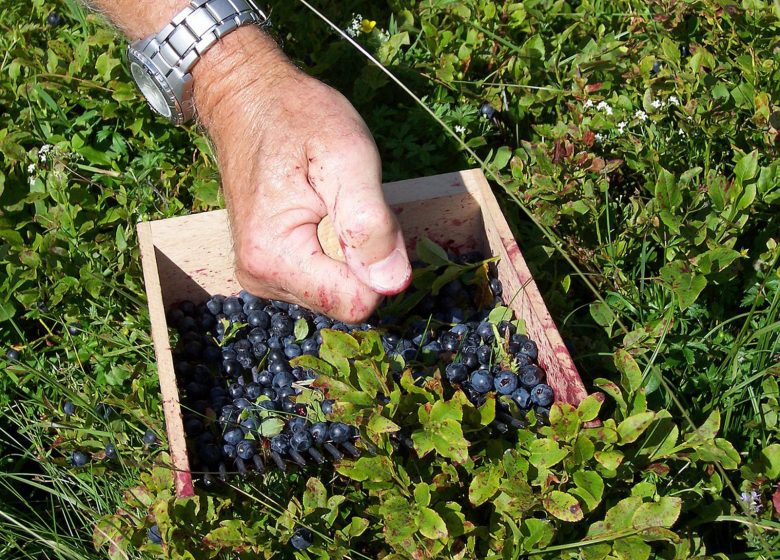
<point x="191" y="258"/>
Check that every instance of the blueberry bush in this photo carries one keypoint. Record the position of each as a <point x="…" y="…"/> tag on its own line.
<point x="634" y="149"/>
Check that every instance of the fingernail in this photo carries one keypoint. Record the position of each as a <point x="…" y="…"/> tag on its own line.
<point x="391" y="275"/>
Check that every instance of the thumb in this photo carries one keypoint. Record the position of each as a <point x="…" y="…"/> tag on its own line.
<point x="369" y="235"/>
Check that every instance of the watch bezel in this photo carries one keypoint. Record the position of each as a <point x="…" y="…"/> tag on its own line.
<point x="175" y="102"/>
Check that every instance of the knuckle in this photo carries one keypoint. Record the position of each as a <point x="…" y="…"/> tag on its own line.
<point x="252" y="260"/>
<point x="368" y="221"/>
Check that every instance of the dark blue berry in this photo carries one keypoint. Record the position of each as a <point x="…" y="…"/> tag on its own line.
<point x="481" y="381"/>
<point x="301" y="539"/>
<point x="229" y="451"/>
<point x="79" y="458"/>
<point x="111" y="452"/>
<point x="69" y="408"/>
<point x="531" y="376"/>
<point x="280" y="444"/>
<point x="542" y="395"/>
<point x="214" y="305"/>
<point x="505" y="383"/>
<point x="301" y="441"/>
<point x="232" y="306"/>
<point x="326" y="406"/>
<point x="522" y="398"/>
<point x="338" y="432"/>
<point x="12" y="355"/>
<point x="150" y="438"/>
<point x="245" y="449"/>
<point x="319" y="432"/>
<point x="486" y="110"/>
<point x="153" y="534"/>
<point x="456" y="372"/>
<point x="530" y="349"/>
<point x="233" y="436"/>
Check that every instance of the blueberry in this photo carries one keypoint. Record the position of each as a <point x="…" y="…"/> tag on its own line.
<point x="469" y="359"/>
<point x="231" y="306"/>
<point x="656" y="67"/>
<point x="229" y="451"/>
<point x="485" y="331"/>
<point x="12" y="355"/>
<point x="319" y="432"/>
<point x="79" y="458"/>
<point x="258" y="318"/>
<point x="74" y="328"/>
<point x="338" y="432"/>
<point x="269" y="393"/>
<point x="233" y="436"/>
<point x="326" y="406"/>
<point x="253" y="391"/>
<point x="531" y="376"/>
<point x="505" y="327"/>
<point x="301" y="441"/>
<point x="310" y="347"/>
<point x="285" y="392"/>
<point x="214" y="305"/>
<point x="153" y="534"/>
<point x="297" y="424"/>
<point x="193" y="426"/>
<point x="522" y="398"/>
<point x="210" y="454"/>
<point x="301" y="539"/>
<point x="530" y="349"/>
<point x="279" y="367"/>
<point x="265" y="378"/>
<point x="289" y="406"/>
<point x="481" y="381"/>
<point x="111" y="452"/>
<point x="292" y="351"/>
<point x="543" y="414"/>
<point x="236" y="391"/>
<point x="456" y="372"/>
<point x="486" y="110"/>
<point x="257" y="335"/>
<point x="282" y="325"/>
<point x="245" y="449"/>
<point x="231" y="368"/>
<point x="282" y="379"/>
<point x="69" y="408"/>
<point x="250" y="425"/>
<point x="238" y="318"/>
<point x="242" y="403"/>
<point x="505" y="383"/>
<point x="150" y="438"/>
<point x="449" y="341"/>
<point x="484" y="354"/>
<point x="542" y="395"/>
<point x="280" y="444"/>
<point x="260" y="350"/>
<point x="496" y="287"/>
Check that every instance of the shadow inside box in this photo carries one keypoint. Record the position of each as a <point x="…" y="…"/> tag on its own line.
<point x="177" y="285"/>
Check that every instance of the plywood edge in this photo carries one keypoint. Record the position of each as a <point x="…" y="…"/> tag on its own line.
<point x="177" y="444"/>
<point x="424" y="188"/>
<point x="559" y="361"/>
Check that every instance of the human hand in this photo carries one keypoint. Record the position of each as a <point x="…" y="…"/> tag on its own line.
<point x="292" y="150"/>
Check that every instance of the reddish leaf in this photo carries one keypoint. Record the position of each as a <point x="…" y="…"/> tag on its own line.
<point x="590" y="88"/>
<point x="597" y="165"/>
<point x="776" y="500"/>
<point x="588" y="138"/>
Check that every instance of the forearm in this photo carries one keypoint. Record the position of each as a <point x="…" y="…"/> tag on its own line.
<point x="245" y="56"/>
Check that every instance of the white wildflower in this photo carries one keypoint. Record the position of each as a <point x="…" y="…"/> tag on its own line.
<point x="353" y="29"/>
<point x="384" y="36"/>
<point x="43" y="152"/>
<point x="460" y="129"/>
<point x="621" y="127"/>
<point x="588" y="104"/>
<point x="681" y="132"/>
<point x="31" y="169"/>
<point x="657" y="103"/>
<point x="604" y="106"/>
<point x="673" y="100"/>
<point x="599" y="137"/>
<point x="641" y="115"/>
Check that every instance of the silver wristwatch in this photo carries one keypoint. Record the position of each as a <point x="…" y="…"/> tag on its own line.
<point x="161" y="63"/>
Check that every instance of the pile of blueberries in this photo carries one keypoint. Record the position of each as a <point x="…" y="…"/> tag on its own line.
<point x="232" y="362"/>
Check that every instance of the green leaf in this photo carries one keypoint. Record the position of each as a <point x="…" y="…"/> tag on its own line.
<point x="685" y="284"/>
<point x="301" y="329"/>
<point x="485" y="484"/>
<point x="743" y="95"/>
<point x="667" y="192"/>
<point x="442" y="431"/>
<point x="618" y="518"/>
<point x="357" y="526"/>
<point x="500" y="313"/>
<point x="589" y="407"/>
<point x="631" y="548"/>
<point x="315" y="495"/>
<point x="663" y="513"/>
<point x="591" y="487"/>
<point x="376" y="469"/>
<point x="422" y="494"/>
<point x="430" y="253"/>
<point x="770" y="456"/>
<point x="563" y="506"/>
<point x="610" y="460"/>
<point x="634" y="426"/>
<point x="747" y="167"/>
<point x="632" y="375"/>
<point x="431" y="524"/>
<point x="378" y="424"/>
<point x="545" y="452"/>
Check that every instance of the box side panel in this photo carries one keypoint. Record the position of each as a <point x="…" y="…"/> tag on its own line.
<point x="523" y="296"/>
<point x="170" y="394"/>
<point x="195" y="257"/>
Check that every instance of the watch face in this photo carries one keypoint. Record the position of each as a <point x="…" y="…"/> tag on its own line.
<point x="151" y="89"/>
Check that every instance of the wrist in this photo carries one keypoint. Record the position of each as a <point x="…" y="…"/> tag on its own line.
<point x="236" y="78"/>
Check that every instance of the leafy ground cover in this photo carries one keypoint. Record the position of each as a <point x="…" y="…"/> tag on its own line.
<point x="634" y="146"/>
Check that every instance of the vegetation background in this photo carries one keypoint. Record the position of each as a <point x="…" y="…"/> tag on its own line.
<point x="634" y="147"/>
